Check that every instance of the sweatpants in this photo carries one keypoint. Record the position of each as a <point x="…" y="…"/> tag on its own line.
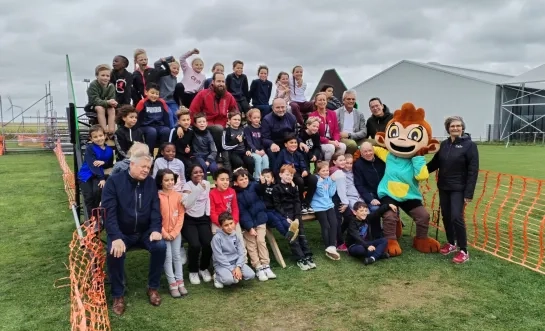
<point x="225" y="275"/>
<point x="310" y="182"/>
<point x="257" y="247"/>
<point x="328" y="226"/>
<point x="357" y="250"/>
<point x="196" y="232"/>
<point x="92" y="194"/>
<point x="413" y="208"/>
<point x="452" y="210"/>
<point x="174" y="259"/>
<point x="181" y="97"/>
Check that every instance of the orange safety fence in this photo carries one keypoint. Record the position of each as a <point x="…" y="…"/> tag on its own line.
<point x="31" y="140"/>
<point x="67" y="175"/>
<point x="506" y="217"/>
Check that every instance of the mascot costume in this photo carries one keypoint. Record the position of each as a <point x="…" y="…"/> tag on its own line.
<point x="406" y="140"/>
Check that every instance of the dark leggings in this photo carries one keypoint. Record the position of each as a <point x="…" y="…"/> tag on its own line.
<point x="181" y="97"/>
<point x="196" y="231"/>
<point x="328" y="225"/>
<point x="300" y="108"/>
<point x="242" y="160"/>
<point x="452" y="210"/>
<point x="310" y="181"/>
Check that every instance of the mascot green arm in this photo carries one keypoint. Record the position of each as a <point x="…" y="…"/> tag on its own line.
<point x="420" y="170"/>
<point x="381" y="153"/>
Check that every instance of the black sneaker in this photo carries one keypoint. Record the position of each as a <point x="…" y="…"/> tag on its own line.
<point x="310" y="262"/>
<point x="369" y="260"/>
<point x="385" y="255"/>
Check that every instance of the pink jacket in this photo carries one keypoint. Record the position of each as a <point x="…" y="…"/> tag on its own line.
<point x="331" y="121"/>
<point x="193" y="81"/>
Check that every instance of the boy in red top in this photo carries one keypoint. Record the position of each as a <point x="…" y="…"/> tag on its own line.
<point x="224" y="199"/>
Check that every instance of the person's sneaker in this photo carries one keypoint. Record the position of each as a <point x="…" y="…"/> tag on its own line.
<point x="217" y="284"/>
<point x="293" y="231"/>
<point x="369" y="260"/>
<point x="183" y="255"/>
<point x="304" y="209"/>
<point x="461" y="257"/>
<point x="181" y="287"/>
<point x="174" y="290"/>
<point x="303" y="265"/>
<point x="205" y="274"/>
<point x="331" y="252"/>
<point x="342" y="248"/>
<point x="194" y="278"/>
<point x="260" y="273"/>
<point x="310" y="262"/>
<point x="268" y="272"/>
<point x="385" y="255"/>
<point x="447" y="249"/>
<point x="310" y="210"/>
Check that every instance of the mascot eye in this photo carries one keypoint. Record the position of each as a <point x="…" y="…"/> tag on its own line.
<point x="393" y="131"/>
<point x="416" y="134"/>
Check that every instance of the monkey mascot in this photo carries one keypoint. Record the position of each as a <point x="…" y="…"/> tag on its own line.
<point x="406" y="140"/>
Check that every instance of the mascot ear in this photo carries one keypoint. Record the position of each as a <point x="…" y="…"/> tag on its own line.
<point x="379" y="138"/>
<point x="433" y="146"/>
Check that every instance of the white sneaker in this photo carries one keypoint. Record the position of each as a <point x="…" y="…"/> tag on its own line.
<point x="331" y="252"/>
<point x="260" y="273"/>
<point x="217" y="284"/>
<point x="194" y="278"/>
<point x="304" y="210"/>
<point x="183" y="255"/>
<point x="205" y="274"/>
<point x="268" y="272"/>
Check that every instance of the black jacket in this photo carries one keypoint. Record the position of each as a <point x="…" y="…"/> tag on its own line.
<point x="313" y="143"/>
<point x="458" y="164"/>
<point x="367" y="176"/>
<point x="378" y="124"/>
<point x="122" y="81"/>
<point x="353" y="235"/>
<point x="151" y="75"/>
<point x="124" y="138"/>
<point x="182" y="143"/>
<point x="132" y="207"/>
<point x="286" y="201"/>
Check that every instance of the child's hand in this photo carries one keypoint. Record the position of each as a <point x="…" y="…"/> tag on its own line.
<point x="275" y="148"/>
<point x="371" y="248"/>
<point x="393" y="207"/>
<point x="112" y="102"/>
<point x="239" y="138"/>
<point x="180" y="132"/>
<point x="252" y="232"/>
<point x="98" y="163"/>
<point x="304" y="147"/>
<point x="187" y="150"/>
<point x="343" y="208"/>
<point x="207" y="163"/>
<point x="203" y="184"/>
<point x="248" y="153"/>
<point x="260" y="153"/>
<point x="163" y="59"/>
<point x="292" y="183"/>
<point x="313" y="158"/>
<point x="304" y="174"/>
<point x="195" y="51"/>
<point x="237" y="274"/>
<point x="262" y="179"/>
<point x="101" y="183"/>
<point x="289" y="220"/>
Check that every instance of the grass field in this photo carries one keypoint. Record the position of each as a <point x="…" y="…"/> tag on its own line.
<point x="411" y="292"/>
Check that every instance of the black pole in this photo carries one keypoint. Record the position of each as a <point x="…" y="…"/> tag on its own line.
<point x="71" y="115"/>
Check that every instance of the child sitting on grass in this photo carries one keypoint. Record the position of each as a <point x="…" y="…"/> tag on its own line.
<point x="357" y="241"/>
<point x="228" y="254"/>
<point x="126" y="134"/>
<point x="168" y="161"/>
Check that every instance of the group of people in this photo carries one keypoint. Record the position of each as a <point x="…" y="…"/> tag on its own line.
<point x="292" y="157"/>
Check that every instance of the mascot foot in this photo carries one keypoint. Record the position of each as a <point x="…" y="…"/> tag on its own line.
<point x="426" y="245"/>
<point x="393" y="248"/>
<point x="399" y="228"/>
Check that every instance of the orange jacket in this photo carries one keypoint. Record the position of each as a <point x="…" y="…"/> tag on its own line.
<point x="172" y="213"/>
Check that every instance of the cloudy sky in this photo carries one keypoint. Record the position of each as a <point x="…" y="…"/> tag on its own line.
<point x="359" y="39"/>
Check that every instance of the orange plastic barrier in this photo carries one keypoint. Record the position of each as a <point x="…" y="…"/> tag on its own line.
<point x="506" y="217"/>
<point x="2" y="146"/>
<point x="37" y="140"/>
<point x="67" y="175"/>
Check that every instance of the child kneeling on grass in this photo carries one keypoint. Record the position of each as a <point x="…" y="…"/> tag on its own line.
<point x="253" y="220"/>
<point x="358" y="229"/>
<point x="228" y="254"/>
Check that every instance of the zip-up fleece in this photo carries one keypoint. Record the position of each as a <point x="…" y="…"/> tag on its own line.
<point x="215" y="109"/>
<point x="172" y="212"/>
<point x="124" y="138"/>
<point x="132" y="206"/>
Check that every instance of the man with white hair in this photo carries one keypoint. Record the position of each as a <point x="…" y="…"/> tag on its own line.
<point x="133" y="219"/>
<point x="351" y="122"/>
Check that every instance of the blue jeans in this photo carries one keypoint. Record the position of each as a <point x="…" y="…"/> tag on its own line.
<point x="260" y="163"/>
<point x="213" y="167"/>
<point x="299" y="247"/>
<point x="151" y="133"/>
<point x="116" y="265"/>
<point x="277" y="221"/>
<point x="264" y="109"/>
<point x="172" y="108"/>
<point x="362" y="251"/>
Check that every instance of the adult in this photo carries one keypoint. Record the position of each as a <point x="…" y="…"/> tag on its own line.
<point x="133" y="219"/>
<point x="380" y="117"/>
<point x="351" y="122"/>
<point x="332" y="101"/>
<point x="215" y="102"/>
<point x="274" y="128"/>
<point x="458" y="165"/>
<point x="330" y="135"/>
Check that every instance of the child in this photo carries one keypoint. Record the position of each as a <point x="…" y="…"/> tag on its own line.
<point x="260" y="90"/>
<point x="122" y="80"/>
<point x="196" y="230"/>
<point x="254" y="142"/>
<point x="253" y="219"/>
<point x="216" y="68"/>
<point x="167" y="84"/>
<point x="324" y="210"/>
<point x="311" y="138"/>
<point x="356" y="239"/>
<point x="172" y="213"/>
<point x="169" y="161"/>
<point x="153" y="117"/>
<point x="144" y="75"/>
<point x="101" y="94"/>
<point x="283" y="88"/>
<point x="204" y="148"/>
<point x="137" y="149"/>
<point x="291" y="155"/>
<point x="193" y="79"/>
<point x="182" y="136"/>
<point x="233" y="142"/>
<point x="287" y="203"/>
<point x="127" y="133"/>
<point x="299" y="104"/>
<point x="91" y="175"/>
<point x="237" y="84"/>
<point x="229" y="254"/>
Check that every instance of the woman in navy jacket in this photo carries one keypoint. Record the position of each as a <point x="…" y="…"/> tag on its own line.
<point x="458" y="165"/>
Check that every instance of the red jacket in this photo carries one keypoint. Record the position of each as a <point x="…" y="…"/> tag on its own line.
<point x="221" y="201"/>
<point x="331" y="119"/>
<point x="216" y="111"/>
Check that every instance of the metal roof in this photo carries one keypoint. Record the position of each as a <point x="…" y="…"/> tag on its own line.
<point x="536" y="75"/>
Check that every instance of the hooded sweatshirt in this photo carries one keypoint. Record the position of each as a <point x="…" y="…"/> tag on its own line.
<point x="378" y="124"/>
<point x="122" y="81"/>
<point x="325" y="190"/>
<point x="228" y="250"/>
<point x="203" y="144"/>
<point x="172" y="212"/>
<point x="153" y="113"/>
<point x="167" y="83"/>
<point x="193" y="81"/>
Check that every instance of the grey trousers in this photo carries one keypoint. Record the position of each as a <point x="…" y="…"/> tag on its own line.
<point x="225" y="275"/>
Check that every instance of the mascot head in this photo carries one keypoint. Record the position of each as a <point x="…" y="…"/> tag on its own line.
<point x="408" y="134"/>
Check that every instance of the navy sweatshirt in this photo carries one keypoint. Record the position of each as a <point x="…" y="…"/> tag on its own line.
<point x="153" y="113"/>
<point x="260" y="92"/>
<point x="238" y="86"/>
<point x="296" y="158"/>
<point x="274" y="128"/>
<point x="250" y="206"/>
<point x="367" y="176"/>
<point x="254" y="141"/>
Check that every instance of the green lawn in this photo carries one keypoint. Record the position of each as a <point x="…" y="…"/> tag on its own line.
<point x="411" y="292"/>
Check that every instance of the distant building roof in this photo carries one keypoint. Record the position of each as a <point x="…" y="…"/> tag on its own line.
<point x="536" y="75"/>
<point x="331" y="77"/>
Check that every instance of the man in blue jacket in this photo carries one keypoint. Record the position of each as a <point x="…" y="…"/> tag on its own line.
<point x="133" y="218"/>
<point x="274" y="128"/>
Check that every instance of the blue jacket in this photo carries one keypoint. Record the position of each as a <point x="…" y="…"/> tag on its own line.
<point x="325" y="190"/>
<point x="260" y="92"/>
<point x="274" y="128"/>
<point x="367" y="176"/>
<point x="95" y="153"/>
<point x="251" y="207"/>
<point x="296" y="158"/>
<point x="132" y="207"/>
